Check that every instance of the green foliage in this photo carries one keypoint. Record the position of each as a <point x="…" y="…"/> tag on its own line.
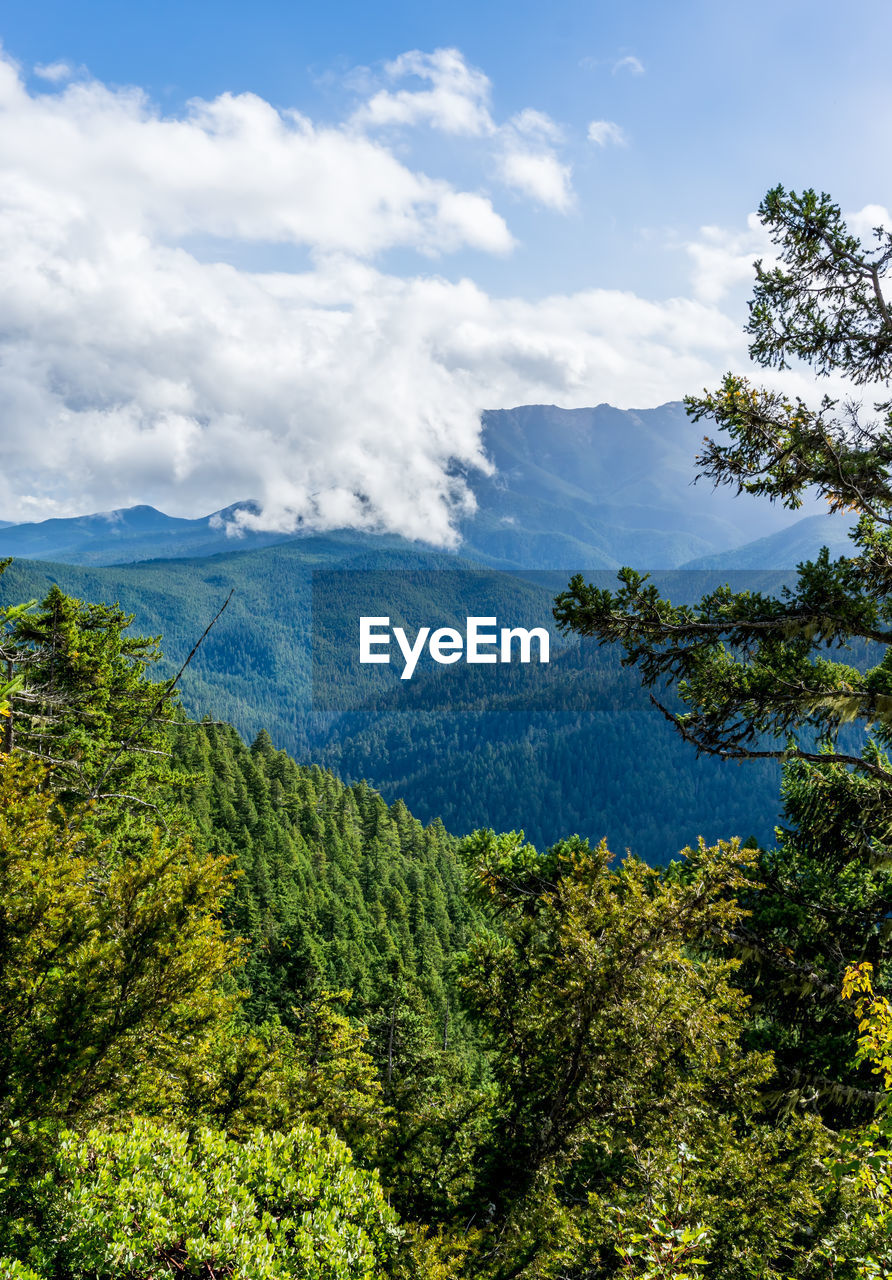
<point x="552" y="1061"/>
<point x="866" y="1156"/>
<point x="336" y="890"/>
<point x="110" y="967"/>
<point x="616" y="1062"/>
<point x="821" y="903"/>
<point x="352" y="913"/>
<point x="78" y="699"/>
<point x="130" y="1205"/>
<point x="823" y="301"/>
<point x="763" y="677"/>
<point x="117" y="998"/>
<point x="660" y="1241"/>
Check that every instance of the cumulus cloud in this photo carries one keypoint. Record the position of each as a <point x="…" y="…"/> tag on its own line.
<point x="234" y="167"/>
<point x="455" y="98"/>
<point x="527" y="161"/>
<point x="133" y="369"/>
<point x="723" y="258"/>
<point x="629" y="63"/>
<point x="603" y="132"/>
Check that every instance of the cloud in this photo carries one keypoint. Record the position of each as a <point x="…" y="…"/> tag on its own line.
<point x="536" y="124"/>
<point x="339" y="396"/>
<point x="457" y="100"/>
<point x="234" y="167"/>
<point x="603" y="132"/>
<point x="723" y="259"/>
<point x="54" y="72"/>
<point x="134" y="369"/>
<point x="864" y="222"/>
<point x="527" y="162"/>
<point x="629" y="63"/>
<point x="539" y="175"/>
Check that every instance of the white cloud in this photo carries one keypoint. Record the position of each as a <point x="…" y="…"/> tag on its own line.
<point x="723" y="259"/>
<point x="526" y="161"/>
<point x="864" y="222"/>
<point x="537" y="174"/>
<point x="131" y="371"/>
<point x="603" y="132"/>
<point x="457" y="100"/>
<point x="536" y="124"/>
<point x="233" y="167"/>
<point x="157" y="378"/>
<point x="54" y="72"/>
<point x="629" y="63"/>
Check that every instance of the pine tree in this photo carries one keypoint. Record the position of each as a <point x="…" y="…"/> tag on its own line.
<point x="763" y="677"/>
<point x="85" y="707"/>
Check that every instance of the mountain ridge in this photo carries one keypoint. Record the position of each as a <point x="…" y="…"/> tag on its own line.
<point x="594" y="488"/>
<point x="787" y="548"/>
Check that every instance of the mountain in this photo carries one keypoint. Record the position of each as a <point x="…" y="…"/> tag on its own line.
<point x="571" y="747"/>
<point x="127" y="535"/>
<point x="600" y="488"/>
<point x="594" y="488"/>
<point x="802" y="541"/>
<point x="574" y="746"/>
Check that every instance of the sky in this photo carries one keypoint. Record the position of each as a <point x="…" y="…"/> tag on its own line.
<point x="291" y="252"/>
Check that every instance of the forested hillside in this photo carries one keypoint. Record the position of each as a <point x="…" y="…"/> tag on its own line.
<point x="335" y="890"/>
<point x="571" y="747"/>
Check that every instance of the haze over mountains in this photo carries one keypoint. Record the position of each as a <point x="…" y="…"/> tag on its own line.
<point x="572" y="488"/>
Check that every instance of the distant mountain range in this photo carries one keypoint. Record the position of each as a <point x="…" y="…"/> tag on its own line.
<point x="578" y="748"/>
<point x="127" y="536"/>
<point x="787" y="548"/>
<point x="572" y="488"/>
<point x="575" y="746"/>
<point x="600" y="488"/>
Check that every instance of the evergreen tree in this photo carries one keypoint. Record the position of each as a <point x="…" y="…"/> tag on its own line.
<point x="336" y="890"/>
<point x="624" y="1116"/>
<point x="111" y="969"/>
<point x="84" y="706"/>
<point x="759" y="676"/>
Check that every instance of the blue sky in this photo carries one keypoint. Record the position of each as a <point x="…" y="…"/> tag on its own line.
<point x="732" y="99"/>
<point x="383" y="219"/>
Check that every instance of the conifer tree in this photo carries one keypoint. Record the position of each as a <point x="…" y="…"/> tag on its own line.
<point x="84" y="706"/>
<point x="782" y="677"/>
